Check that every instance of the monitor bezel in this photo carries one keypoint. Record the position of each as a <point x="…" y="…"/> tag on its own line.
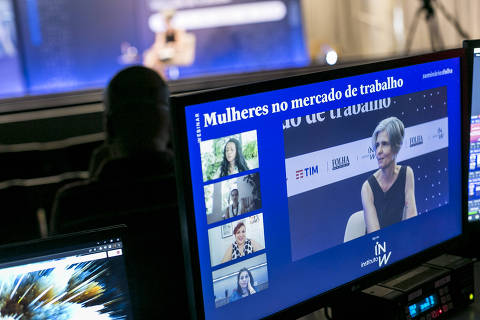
<point x="54" y="244"/>
<point x="185" y="191"/>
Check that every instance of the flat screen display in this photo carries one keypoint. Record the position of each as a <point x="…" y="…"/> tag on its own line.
<point x="85" y="280"/>
<point x="78" y="45"/>
<point x="12" y="82"/>
<point x="474" y="164"/>
<point x="302" y="185"/>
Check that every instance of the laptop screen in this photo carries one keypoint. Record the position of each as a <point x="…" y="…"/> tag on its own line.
<point x="67" y="278"/>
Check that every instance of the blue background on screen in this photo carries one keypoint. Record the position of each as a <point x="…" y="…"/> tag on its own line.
<point x="293" y="282"/>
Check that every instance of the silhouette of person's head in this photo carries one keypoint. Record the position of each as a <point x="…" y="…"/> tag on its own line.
<point x="136" y="114"/>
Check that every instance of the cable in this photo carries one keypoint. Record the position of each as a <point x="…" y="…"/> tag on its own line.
<point x="452" y="20"/>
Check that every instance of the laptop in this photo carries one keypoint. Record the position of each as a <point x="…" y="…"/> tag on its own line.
<point x="75" y="276"/>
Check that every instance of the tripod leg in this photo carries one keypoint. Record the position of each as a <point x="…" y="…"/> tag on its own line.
<point x="436" y="39"/>
<point x="411" y="31"/>
<point x="452" y="20"/>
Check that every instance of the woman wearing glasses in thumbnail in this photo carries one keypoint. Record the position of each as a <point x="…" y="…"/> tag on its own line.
<point x="244" y="285"/>
<point x="242" y="245"/>
<point x="388" y="196"/>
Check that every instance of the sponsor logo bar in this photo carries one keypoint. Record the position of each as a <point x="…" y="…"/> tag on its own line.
<point x="351" y="159"/>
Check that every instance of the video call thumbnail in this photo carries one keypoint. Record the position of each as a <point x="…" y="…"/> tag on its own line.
<point x="408" y="133"/>
<point x="240" y="280"/>
<point x="236" y="239"/>
<point x="229" y="155"/>
<point x="233" y="197"/>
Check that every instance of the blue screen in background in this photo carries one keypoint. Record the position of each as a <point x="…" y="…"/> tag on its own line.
<point x="74" y="45"/>
<point x="12" y="80"/>
<point x="276" y="177"/>
<point x="239" y="36"/>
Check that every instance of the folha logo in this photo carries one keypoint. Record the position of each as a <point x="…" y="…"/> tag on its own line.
<point x="340" y="162"/>
<point x="416" y="141"/>
<point x="381" y="255"/>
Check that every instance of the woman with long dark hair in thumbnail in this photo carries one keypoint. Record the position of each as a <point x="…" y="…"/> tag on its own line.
<point x="242" y="245"/>
<point x="233" y="159"/>
<point x="244" y="285"/>
<point x="388" y="196"/>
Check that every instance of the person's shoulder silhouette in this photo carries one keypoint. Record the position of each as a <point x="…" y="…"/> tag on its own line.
<point x="136" y="124"/>
<point x="132" y="164"/>
<point x="132" y="182"/>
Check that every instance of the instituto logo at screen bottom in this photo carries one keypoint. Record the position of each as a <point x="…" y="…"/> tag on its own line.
<point x="381" y="255"/>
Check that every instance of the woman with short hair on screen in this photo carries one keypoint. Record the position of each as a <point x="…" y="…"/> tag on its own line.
<point x="241" y="246"/>
<point x="388" y="196"/>
<point x="233" y="159"/>
<point x="244" y="285"/>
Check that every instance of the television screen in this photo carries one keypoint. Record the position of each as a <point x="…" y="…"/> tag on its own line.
<point x="79" y="45"/>
<point x="295" y="187"/>
<point x="12" y="80"/>
<point x="474" y="164"/>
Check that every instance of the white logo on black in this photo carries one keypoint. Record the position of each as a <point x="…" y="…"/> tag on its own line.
<point x="381" y="255"/>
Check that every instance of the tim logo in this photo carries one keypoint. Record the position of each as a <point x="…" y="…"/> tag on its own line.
<point x="299" y="174"/>
<point x="381" y="253"/>
<point x="341" y="162"/>
<point x="307" y="172"/>
<point x="416" y="141"/>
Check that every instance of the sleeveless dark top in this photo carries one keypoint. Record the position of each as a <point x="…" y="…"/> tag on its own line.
<point x="390" y="204"/>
